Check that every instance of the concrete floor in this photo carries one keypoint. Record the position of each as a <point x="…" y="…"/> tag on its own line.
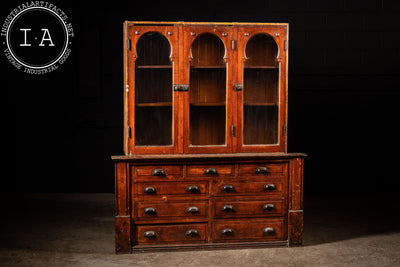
<point x="78" y="230"/>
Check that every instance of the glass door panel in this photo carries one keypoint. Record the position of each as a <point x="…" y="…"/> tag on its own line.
<point x="261" y="91"/>
<point x="153" y="91"/>
<point x="207" y="93"/>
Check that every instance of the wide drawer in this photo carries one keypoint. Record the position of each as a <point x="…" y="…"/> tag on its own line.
<point x="222" y="170"/>
<point x="248" y="230"/>
<point x="171" y="188"/>
<point x="171" y="234"/>
<point x="248" y="187"/>
<point x="170" y="210"/>
<point x="165" y="171"/>
<point x="262" y="169"/>
<point x="245" y="208"/>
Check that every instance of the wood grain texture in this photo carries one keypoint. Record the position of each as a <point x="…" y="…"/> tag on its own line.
<point x="295" y="227"/>
<point x="212" y="171"/>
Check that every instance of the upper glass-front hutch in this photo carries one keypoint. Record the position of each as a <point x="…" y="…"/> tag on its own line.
<point x="200" y="88"/>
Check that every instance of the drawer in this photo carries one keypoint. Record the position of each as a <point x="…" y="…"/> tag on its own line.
<point x="169" y="171"/>
<point x="171" y="234"/>
<point x="244" y="208"/>
<point x="222" y="170"/>
<point x="248" y="187"/>
<point x="168" y="210"/>
<point x="263" y="170"/>
<point x="246" y="230"/>
<point x="171" y="188"/>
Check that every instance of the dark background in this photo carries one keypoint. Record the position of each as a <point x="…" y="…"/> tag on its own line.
<point x="60" y="129"/>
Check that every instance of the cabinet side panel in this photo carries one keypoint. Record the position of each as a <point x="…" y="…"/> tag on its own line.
<point x="122" y="217"/>
<point x="295" y="216"/>
<point x="295" y="228"/>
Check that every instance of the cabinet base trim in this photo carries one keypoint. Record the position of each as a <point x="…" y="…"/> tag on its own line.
<point x="241" y="245"/>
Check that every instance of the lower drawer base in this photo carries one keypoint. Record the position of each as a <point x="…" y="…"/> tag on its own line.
<point x="208" y="246"/>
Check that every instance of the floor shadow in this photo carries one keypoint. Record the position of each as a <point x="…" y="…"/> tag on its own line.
<point x="84" y="223"/>
<point x="334" y="218"/>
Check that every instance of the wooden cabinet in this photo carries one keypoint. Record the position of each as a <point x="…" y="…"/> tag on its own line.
<point x="205" y="125"/>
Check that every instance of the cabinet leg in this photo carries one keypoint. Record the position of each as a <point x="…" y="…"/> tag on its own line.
<point x="295" y="227"/>
<point x="123" y="234"/>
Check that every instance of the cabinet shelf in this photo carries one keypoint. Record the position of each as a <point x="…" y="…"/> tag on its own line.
<point x="154" y="67"/>
<point x="261" y="67"/>
<point x="209" y="67"/>
<point x="217" y="104"/>
<point x="157" y="104"/>
<point x="271" y="104"/>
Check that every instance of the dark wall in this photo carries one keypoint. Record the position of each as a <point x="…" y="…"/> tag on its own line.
<point x="61" y="128"/>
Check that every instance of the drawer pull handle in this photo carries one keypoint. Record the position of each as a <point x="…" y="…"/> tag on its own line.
<point x="150" y="190"/>
<point x="158" y="172"/>
<point x="269" y="187"/>
<point x="192" y="233"/>
<point x="227" y="231"/>
<point x="228" y="208"/>
<point x="228" y="188"/>
<point x="211" y="171"/>
<point x="269" y="207"/>
<point x="269" y="230"/>
<point x="150" y="234"/>
<point x="150" y="211"/>
<point x="261" y="170"/>
<point x="193" y="210"/>
<point x="193" y="189"/>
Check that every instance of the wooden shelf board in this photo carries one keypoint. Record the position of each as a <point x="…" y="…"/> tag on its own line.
<point x="154" y="67"/>
<point x="218" y="104"/>
<point x="261" y="67"/>
<point x="209" y="67"/>
<point x="157" y="104"/>
<point x="261" y="104"/>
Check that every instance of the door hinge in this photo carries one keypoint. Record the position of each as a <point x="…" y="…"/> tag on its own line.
<point x="284" y="130"/>
<point x="232" y="130"/>
<point x="129" y="132"/>
<point x="285" y="45"/>
<point x="129" y="44"/>
<point x="233" y="45"/>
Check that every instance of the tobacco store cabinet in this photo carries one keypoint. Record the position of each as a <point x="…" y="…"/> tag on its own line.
<point x="205" y="126"/>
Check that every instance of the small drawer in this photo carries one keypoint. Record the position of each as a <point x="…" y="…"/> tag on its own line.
<point x="170" y="210"/>
<point x="248" y="187"/>
<point x="261" y="169"/>
<point x="210" y="170"/>
<point x="169" y="171"/>
<point x="246" y="230"/>
<point x="171" y="234"/>
<point x="243" y="208"/>
<point x="187" y="188"/>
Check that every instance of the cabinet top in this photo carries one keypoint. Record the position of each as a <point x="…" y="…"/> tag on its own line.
<point x="206" y="23"/>
<point x="191" y="157"/>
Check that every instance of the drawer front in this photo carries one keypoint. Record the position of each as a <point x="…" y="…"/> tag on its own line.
<point x="241" y="230"/>
<point x="210" y="170"/>
<point x="171" y="188"/>
<point x="263" y="170"/>
<point x="168" y="210"/>
<point x="169" y="171"/>
<point x="171" y="234"/>
<point x="244" y="208"/>
<point x="248" y="187"/>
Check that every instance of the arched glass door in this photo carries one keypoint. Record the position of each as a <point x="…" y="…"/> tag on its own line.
<point x="207" y="93"/>
<point x="153" y="91"/>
